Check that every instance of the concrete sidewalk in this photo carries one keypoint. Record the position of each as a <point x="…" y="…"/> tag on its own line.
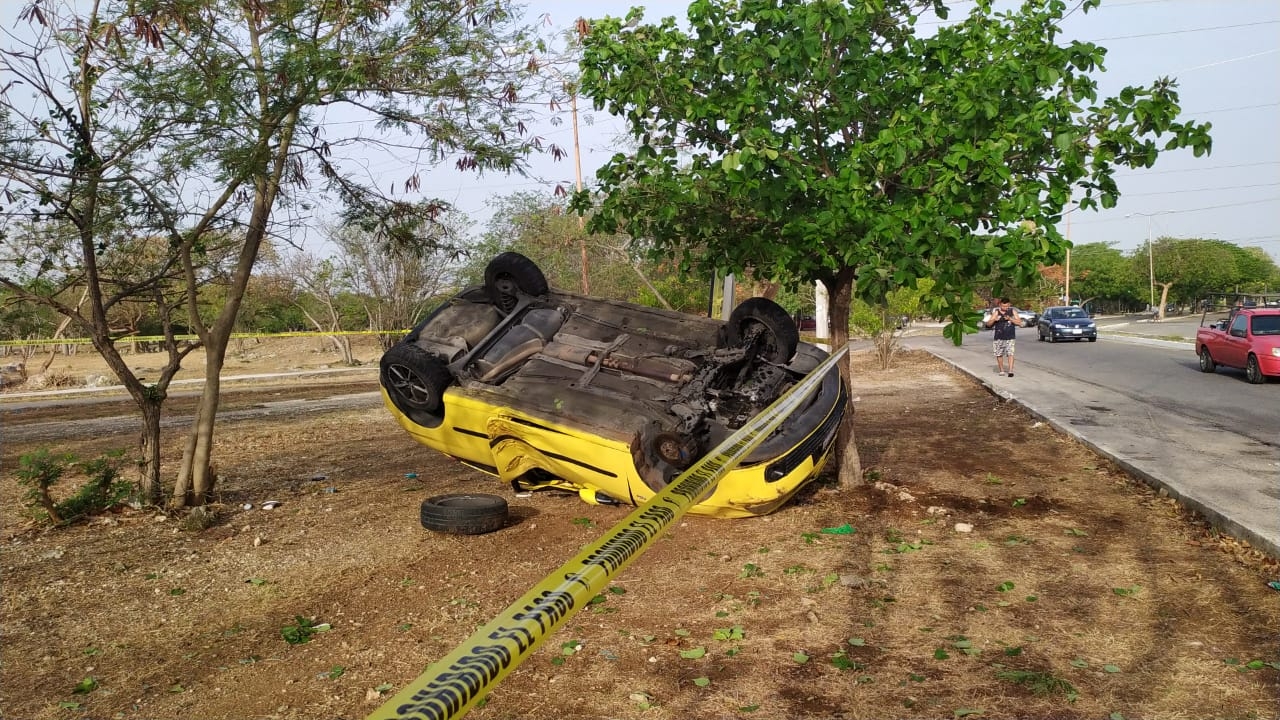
<point x="1231" y="480"/>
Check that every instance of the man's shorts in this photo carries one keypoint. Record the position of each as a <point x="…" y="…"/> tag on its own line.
<point x="1003" y="348"/>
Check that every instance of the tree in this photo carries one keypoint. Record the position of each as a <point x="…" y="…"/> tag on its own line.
<point x="202" y="121"/>
<point x="1100" y="272"/>
<point x="396" y="283"/>
<point x="831" y="141"/>
<point x="542" y="228"/>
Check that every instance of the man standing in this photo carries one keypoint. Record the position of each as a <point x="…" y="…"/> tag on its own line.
<point x="1003" y="319"/>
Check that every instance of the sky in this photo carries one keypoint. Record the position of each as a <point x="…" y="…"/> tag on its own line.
<point x="1224" y="54"/>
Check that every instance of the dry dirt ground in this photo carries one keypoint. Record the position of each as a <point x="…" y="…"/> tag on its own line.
<point x="1078" y="593"/>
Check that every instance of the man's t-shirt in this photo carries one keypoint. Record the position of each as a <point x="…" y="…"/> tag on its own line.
<point x="1004" y="328"/>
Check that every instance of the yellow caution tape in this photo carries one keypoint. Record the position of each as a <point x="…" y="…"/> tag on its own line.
<point x="160" y="338"/>
<point x="458" y="680"/>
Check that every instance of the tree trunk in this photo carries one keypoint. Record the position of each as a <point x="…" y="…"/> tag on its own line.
<point x="149" y="453"/>
<point x="847" y="458"/>
<point x="196" y="476"/>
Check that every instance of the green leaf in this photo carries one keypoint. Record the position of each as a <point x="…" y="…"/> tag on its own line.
<point x="800" y="657"/>
<point x="1005" y="586"/>
<point x="1111" y="668"/>
<point x="940" y="654"/>
<point x="965" y="712"/>
<point x="857" y="642"/>
<point x="693" y="653"/>
<point x="85" y="686"/>
<point x="701" y="681"/>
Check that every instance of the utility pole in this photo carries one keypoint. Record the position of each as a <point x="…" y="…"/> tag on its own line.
<point x="1066" y="285"/>
<point x="577" y="169"/>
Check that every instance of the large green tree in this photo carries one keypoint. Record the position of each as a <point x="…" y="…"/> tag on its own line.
<point x="213" y="119"/>
<point x="1100" y="273"/>
<point x="833" y="141"/>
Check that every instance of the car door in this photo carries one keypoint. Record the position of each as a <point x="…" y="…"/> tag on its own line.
<point x="1236" y="343"/>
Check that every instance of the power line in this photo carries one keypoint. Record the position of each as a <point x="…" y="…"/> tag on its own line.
<point x="1188" y="30"/>
<point x="1198" y="169"/>
<point x="1186" y="210"/>
<point x="1209" y="189"/>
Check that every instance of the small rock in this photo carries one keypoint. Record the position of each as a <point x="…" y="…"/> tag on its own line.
<point x="641" y="697"/>
<point x="257" y="540"/>
<point x="964" y="527"/>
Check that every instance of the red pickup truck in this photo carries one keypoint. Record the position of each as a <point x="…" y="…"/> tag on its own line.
<point x="1249" y="339"/>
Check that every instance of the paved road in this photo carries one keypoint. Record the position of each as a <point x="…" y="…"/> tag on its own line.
<point x="1144" y="403"/>
<point x="1165" y="375"/>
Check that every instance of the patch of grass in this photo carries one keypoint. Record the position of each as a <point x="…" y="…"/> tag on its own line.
<point x="302" y="630"/>
<point x="751" y="570"/>
<point x="1040" y="683"/>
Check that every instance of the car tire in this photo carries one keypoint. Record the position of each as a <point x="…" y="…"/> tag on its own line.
<point x="1052" y="338"/>
<point x="464" y="513"/>
<point x="1253" y="371"/>
<point x="763" y="320"/>
<point x="510" y="275"/>
<point x="1039" y="335"/>
<point x="415" y="381"/>
<point x="1207" y="365"/>
<point x="1093" y="339"/>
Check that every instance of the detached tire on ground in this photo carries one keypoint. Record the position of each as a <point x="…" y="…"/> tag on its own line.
<point x="464" y="513"/>
<point x="510" y="275"/>
<point x="763" y="321"/>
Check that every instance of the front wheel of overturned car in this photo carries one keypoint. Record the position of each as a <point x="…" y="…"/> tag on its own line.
<point x="510" y="275"/>
<point x="464" y="513"/>
<point x="762" y="323"/>
<point x="415" y="381"/>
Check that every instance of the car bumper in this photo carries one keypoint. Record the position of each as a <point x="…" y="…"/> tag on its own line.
<point x="1269" y="364"/>
<point x="1072" y="334"/>
<point x="511" y="444"/>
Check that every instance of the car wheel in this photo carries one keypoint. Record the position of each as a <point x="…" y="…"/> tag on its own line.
<point x="764" y="324"/>
<point x="1039" y="335"/>
<point x="1052" y="338"/>
<point x="1093" y="339"/>
<point x="464" y="513"/>
<point x="510" y="275"/>
<point x="1207" y="364"/>
<point x="678" y="451"/>
<point x="415" y="381"/>
<point x="1252" y="371"/>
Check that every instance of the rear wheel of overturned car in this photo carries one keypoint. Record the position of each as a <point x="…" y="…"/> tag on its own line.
<point x="1253" y="371"/>
<point x="1207" y="364"/>
<point x="415" y="381"/>
<point x="510" y="275"/>
<point x="464" y="513"/>
<point x="762" y="323"/>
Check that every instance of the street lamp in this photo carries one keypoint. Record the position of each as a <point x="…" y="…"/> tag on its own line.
<point x="1151" y="262"/>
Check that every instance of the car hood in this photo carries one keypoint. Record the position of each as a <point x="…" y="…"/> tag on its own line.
<point x="1072" y="322"/>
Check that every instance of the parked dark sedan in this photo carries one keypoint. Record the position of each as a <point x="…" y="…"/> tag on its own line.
<point x="1066" y="323"/>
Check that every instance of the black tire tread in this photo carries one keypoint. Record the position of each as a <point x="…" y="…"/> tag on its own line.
<point x="464" y="513"/>
<point x="763" y="311"/>
<point x="429" y="372"/>
<point x="517" y="268"/>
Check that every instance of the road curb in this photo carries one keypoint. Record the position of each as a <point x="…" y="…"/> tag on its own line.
<point x="1213" y="516"/>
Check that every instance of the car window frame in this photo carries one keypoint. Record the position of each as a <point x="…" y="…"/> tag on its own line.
<point x="1239" y="326"/>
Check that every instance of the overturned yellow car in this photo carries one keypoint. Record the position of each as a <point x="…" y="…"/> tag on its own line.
<point x="607" y="399"/>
